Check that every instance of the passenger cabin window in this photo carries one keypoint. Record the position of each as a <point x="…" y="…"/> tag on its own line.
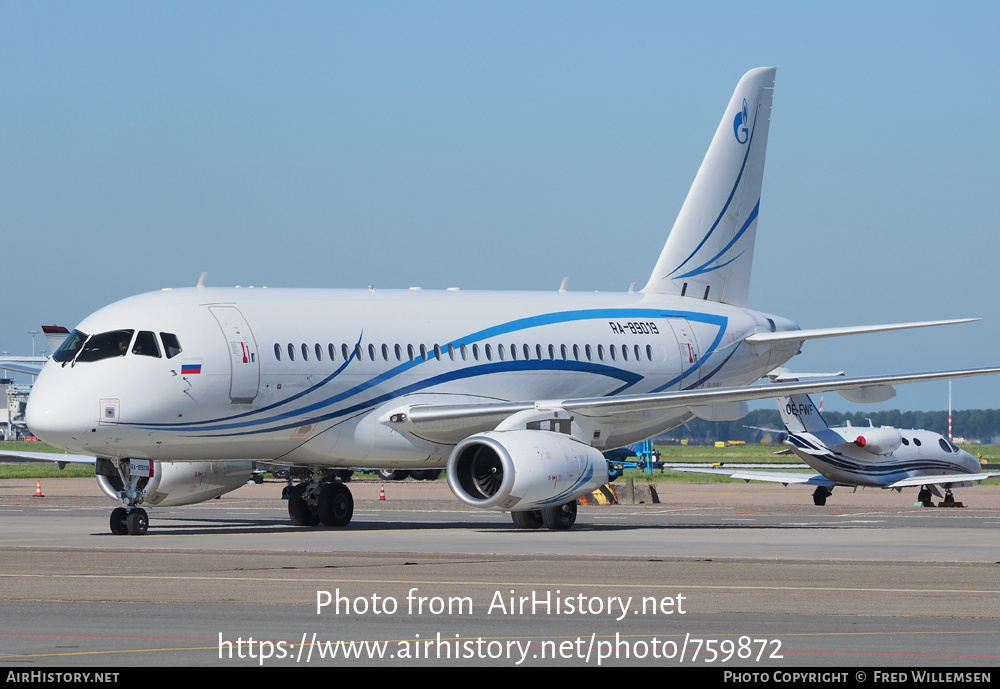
<point x="145" y="345"/>
<point x="171" y="345"/>
<point x="277" y="351"/>
<point x="106" y="345"/>
<point x="70" y="346"/>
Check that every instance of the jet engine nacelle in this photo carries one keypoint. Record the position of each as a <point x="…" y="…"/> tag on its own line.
<point x="185" y="483"/>
<point x="879" y="441"/>
<point x="523" y="469"/>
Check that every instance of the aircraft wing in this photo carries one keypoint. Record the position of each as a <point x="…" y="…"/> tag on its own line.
<point x="440" y="416"/>
<point x="771" y="476"/>
<point x="60" y="458"/>
<point x="32" y="365"/>
<point x="940" y="478"/>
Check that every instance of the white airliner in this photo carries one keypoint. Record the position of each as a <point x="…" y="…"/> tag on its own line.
<point x="517" y="393"/>
<point x="850" y="456"/>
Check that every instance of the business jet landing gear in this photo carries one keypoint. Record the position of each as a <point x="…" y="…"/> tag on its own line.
<point x="321" y="498"/>
<point x="130" y="483"/>
<point x="925" y="496"/>
<point x="821" y="494"/>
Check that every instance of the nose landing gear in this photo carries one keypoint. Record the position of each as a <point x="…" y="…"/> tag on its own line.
<point x="130" y="477"/>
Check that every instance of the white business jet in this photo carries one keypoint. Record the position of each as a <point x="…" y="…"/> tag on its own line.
<point x="517" y="393"/>
<point x="854" y="456"/>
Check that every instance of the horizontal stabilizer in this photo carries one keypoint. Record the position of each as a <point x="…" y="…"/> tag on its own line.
<point x="819" y="333"/>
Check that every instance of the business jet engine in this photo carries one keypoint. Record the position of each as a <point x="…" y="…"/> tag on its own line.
<point x="879" y="441"/>
<point x="185" y="483"/>
<point x="524" y="470"/>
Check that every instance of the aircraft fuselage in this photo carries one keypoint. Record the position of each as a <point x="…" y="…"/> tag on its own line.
<point x="303" y="376"/>
<point x="834" y="453"/>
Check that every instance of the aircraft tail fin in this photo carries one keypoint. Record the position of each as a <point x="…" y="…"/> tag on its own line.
<point x="800" y="415"/>
<point x="709" y="252"/>
<point x="54" y="336"/>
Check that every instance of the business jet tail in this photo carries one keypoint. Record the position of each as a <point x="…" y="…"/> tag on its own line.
<point x="800" y="415"/>
<point x="709" y="252"/>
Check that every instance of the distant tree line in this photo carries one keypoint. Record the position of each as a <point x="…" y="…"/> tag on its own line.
<point x="981" y="425"/>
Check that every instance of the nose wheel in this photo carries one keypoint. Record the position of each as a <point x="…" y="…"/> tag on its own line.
<point x="131" y="519"/>
<point x="133" y="523"/>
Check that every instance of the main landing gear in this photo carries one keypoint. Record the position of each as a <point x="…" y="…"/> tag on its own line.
<point x="555" y="518"/>
<point x="925" y="497"/>
<point x="821" y="494"/>
<point x="131" y="486"/>
<point x="321" y="499"/>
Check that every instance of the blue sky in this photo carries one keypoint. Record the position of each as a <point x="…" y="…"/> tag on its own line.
<point x="504" y="146"/>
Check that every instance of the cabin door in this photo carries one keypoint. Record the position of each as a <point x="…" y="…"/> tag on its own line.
<point x="243" y="358"/>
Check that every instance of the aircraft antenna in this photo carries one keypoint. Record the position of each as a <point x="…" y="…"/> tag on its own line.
<point x="562" y="285"/>
<point x="201" y="279"/>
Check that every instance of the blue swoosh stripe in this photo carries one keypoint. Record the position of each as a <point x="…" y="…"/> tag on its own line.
<point x="512" y="326"/>
<point x="703" y="268"/>
<point x="729" y="200"/>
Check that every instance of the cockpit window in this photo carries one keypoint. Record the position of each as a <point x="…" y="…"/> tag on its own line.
<point x="106" y="345"/>
<point x="70" y="346"/>
<point x="145" y="344"/>
<point x="171" y="344"/>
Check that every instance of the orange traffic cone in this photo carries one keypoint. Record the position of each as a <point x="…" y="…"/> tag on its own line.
<point x="381" y="493"/>
<point x="38" y="489"/>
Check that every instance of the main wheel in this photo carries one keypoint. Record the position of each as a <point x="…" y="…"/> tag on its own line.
<point x="925" y="497"/>
<point x="425" y="474"/>
<point x="561" y="517"/>
<point x="528" y="519"/>
<point x="336" y="504"/>
<point x="299" y="511"/>
<point x="119" y="526"/>
<point x="137" y="522"/>
<point x="820" y="495"/>
<point x="389" y="475"/>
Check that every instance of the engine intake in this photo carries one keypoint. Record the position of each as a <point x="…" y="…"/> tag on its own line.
<point x="523" y="469"/>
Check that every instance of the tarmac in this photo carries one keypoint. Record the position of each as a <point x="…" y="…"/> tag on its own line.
<point x="715" y="575"/>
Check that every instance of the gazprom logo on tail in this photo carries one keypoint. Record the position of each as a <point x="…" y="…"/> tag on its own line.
<point x="741" y="124"/>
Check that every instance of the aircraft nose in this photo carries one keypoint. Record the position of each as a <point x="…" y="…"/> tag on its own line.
<point x="53" y="416"/>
